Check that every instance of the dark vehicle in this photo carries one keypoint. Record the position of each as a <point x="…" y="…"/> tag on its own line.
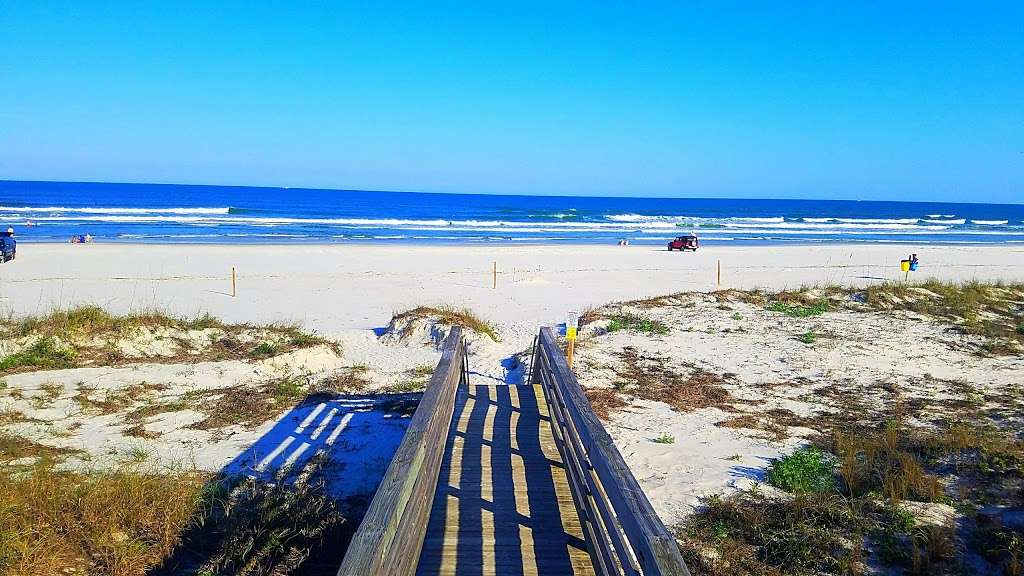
<point x="684" y="243"/>
<point x="8" y="247"/>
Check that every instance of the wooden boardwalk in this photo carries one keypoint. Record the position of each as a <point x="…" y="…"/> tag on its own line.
<point x="502" y="503"/>
<point x="509" y="480"/>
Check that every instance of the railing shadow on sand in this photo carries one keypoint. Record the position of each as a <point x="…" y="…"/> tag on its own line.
<point x="308" y="480"/>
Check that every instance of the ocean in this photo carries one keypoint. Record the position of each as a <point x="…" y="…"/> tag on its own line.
<point x="159" y="213"/>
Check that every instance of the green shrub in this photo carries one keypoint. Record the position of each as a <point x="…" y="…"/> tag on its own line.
<point x="264" y="350"/>
<point x="43" y="353"/>
<point x="665" y="439"/>
<point x="808" y="337"/>
<point x="637" y="323"/>
<point x="805" y="470"/>
<point x="816" y="309"/>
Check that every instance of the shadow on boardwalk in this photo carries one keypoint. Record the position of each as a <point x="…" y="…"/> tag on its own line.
<point x="293" y="499"/>
<point x="502" y="504"/>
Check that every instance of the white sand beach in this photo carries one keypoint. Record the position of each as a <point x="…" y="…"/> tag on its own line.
<point x="342" y="288"/>
<point x="349" y="294"/>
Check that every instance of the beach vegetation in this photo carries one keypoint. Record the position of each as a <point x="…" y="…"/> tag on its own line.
<point x="665" y="438"/>
<point x="44" y="353"/>
<point x="808" y="337"/>
<point x="91" y="336"/>
<point x="253" y="404"/>
<point x="453" y="316"/>
<point x="797" y="310"/>
<point x="128" y="521"/>
<point x="264" y="350"/>
<point x="807" y="469"/>
<point x="118" y="522"/>
<point x="991" y="310"/>
<point x="651" y="377"/>
<point x="604" y="401"/>
<point x="635" y="323"/>
<point x="888" y="492"/>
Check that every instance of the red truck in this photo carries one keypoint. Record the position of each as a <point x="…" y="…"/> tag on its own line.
<point x="684" y="243"/>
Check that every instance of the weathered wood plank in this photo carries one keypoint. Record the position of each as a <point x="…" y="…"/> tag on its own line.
<point x="509" y="509"/>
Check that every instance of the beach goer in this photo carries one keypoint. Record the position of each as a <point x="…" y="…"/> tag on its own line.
<point x="10" y="231"/>
<point x="88" y="237"/>
<point x="913" y="262"/>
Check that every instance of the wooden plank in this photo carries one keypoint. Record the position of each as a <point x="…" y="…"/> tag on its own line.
<point x="654" y="547"/>
<point x="515" y="512"/>
<point x="389" y="539"/>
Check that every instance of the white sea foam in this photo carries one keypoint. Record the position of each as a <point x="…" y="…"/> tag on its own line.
<point x="990" y="222"/>
<point x="951" y="222"/>
<point x="62" y="209"/>
<point x="862" y="220"/>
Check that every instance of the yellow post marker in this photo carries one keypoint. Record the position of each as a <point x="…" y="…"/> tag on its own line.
<point x="234" y="285"/>
<point x="905" y="268"/>
<point x="572" y="323"/>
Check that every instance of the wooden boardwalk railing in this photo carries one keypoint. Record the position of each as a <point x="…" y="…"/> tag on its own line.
<point x="390" y="537"/>
<point x="624" y="535"/>
<point x="616" y="522"/>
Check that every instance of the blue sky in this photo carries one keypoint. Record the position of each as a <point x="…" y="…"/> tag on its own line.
<point x="863" y="100"/>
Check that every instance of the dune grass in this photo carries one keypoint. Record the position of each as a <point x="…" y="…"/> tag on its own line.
<point x="132" y="522"/>
<point x="851" y="498"/>
<point x="798" y="311"/>
<point x="118" y="522"/>
<point x="90" y="335"/>
<point x="636" y="323"/>
<point x="45" y="353"/>
<point x="453" y="316"/>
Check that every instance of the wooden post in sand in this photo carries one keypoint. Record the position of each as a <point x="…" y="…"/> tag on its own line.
<point x="719" y="273"/>
<point x="495" y="286"/>
<point x="234" y="286"/>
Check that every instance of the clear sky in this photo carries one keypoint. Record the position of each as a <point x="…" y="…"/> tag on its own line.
<point x="861" y="99"/>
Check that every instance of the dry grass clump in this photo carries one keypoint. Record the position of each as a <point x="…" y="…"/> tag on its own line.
<point x="118" y="523"/>
<point x="651" y="378"/>
<point x="880" y="474"/>
<point x="884" y="463"/>
<point x="250" y="405"/>
<point x="113" y="400"/>
<point x="89" y="335"/>
<point x="347" y="380"/>
<point x="452" y="316"/>
<point x="414" y="379"/>
<point x="754" y="534"/>
<point x="14" y="447"/>
<point x="129" y="522"/>
<point x="604" y="401"/>
<point x="248" y="527"/>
